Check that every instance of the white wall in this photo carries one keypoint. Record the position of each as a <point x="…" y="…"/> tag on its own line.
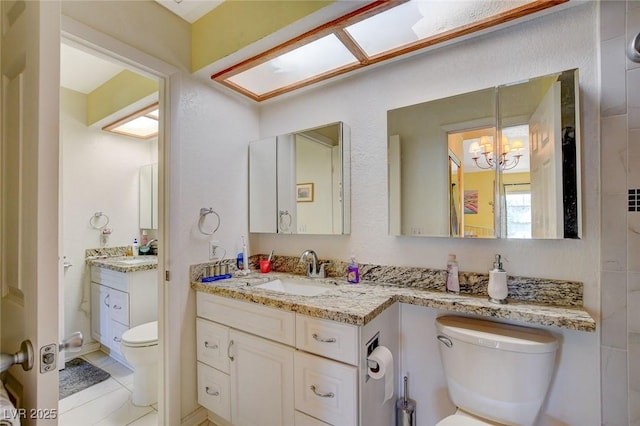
<point x="99" y="173"/>
<point x="559" y="41"/>
<point x="207" y="168"/>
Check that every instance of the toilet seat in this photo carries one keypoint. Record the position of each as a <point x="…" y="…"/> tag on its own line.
<point x="141" y="335"/>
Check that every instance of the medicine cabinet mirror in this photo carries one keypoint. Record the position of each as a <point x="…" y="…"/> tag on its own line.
<point x="299" y="183"/>
<point x="503" y="162"/>
<point x="149" y="196"/>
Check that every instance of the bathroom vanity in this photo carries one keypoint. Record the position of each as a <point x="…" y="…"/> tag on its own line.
<point x="313" y="370"/>
<point x="311" y="352"/>
<point x="124" y="294"/>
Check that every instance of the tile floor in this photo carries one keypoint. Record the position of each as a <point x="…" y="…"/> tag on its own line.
<point x="107" y="403"/>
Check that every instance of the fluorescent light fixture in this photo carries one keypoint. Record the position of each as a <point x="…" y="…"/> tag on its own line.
<point x="142" y="124"/>
<point x="379" y="31"/>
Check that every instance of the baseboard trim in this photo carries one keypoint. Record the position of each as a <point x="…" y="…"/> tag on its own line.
<point x="196" y="417"/>
<point x="86" y="348"/>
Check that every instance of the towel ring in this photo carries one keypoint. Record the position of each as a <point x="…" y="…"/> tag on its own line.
<point x="284" y="214"/>
<point x="203" y="215"/>
<point x="95" y="220"/>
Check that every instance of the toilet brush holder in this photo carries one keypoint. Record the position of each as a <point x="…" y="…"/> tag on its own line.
<point x="405" y="408"/>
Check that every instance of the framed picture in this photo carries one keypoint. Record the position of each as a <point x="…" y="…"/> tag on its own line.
<point x="471" y="202"/>
<point x="304" y="192"/>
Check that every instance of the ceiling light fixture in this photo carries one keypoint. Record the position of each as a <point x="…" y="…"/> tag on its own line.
<point x="508" y="158"/>
<point x="142" y="124"/>
<point x="356" y="40"/>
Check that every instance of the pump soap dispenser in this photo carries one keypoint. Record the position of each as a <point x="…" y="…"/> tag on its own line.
<point x="498" y="290"/>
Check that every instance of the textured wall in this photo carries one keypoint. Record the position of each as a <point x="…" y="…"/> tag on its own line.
<point x="361" y="100"/>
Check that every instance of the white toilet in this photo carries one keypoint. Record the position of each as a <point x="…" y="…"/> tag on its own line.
<point x="140" y="348"/>
<point x="497" y="374"/>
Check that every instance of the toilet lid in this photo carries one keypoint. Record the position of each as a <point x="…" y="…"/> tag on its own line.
<point x="141" y="335"/>
<point x="461" y="420"/>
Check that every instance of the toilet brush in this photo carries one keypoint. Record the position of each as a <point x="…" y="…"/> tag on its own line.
<point x="405" y="408"/>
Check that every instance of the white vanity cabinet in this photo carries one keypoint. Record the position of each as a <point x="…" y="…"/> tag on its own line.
<point x="242" y="378"/>
<point x="259" y="365"/>
<point x="119" y="301"/>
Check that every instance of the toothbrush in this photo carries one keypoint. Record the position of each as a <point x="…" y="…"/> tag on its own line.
<point x="270" y="255"/>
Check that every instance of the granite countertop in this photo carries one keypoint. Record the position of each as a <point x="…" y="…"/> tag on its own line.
<point x="124" y="263"/>
<point x="359" y="303"/>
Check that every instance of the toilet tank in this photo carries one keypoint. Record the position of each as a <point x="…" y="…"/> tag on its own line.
<point x="496" y="371"/>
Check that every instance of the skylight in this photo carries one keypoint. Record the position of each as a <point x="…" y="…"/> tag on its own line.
<point x="382" y="30"/>
<point x="142" y="124"/>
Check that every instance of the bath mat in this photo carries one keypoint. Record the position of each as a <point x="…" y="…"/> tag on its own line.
<point x="77" y="375"/>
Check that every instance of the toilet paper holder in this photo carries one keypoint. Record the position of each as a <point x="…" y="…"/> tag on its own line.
<point x="373" y="365"/>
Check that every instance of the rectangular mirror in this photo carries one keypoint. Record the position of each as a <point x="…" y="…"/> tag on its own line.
<point x="148" y="196"/>
<point x="299" y="183"/>
<point x="449" y="176"/>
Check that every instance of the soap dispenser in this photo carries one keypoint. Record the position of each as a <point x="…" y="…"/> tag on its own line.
<point x="497" y="289"/>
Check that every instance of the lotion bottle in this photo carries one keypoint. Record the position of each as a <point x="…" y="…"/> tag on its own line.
<point x="498" y="290"/>
<point x="135" y="247"/>
<point x="453" y="284"/>
<point x="353" y="272"/>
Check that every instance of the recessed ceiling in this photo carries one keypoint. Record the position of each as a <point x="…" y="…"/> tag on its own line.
<point x="190" y="10"/>
<point x="84" y="72"/>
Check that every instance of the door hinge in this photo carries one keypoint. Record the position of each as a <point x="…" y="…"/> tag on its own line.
<point x="167" y="275"/>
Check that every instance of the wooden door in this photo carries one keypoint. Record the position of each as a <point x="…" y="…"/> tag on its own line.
<point x="29" y="266"/>
<point x="546" y="167"/>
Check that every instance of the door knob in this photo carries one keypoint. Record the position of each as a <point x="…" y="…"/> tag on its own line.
<point x="24" y="356"/>
<point x="72" y="343"/>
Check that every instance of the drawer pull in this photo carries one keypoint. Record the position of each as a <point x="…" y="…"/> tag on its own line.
<point x="118" y="307"/>
<point x="106" y="300"/>
<point x="321" y="395"/>
<point x="229" y="350"/>
<point x="117" y="339"/>
<point x="209" y="346"/>
<point x="209" y="392"/>
<point x="323" y="340"/>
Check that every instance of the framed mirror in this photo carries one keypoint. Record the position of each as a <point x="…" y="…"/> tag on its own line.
<point x="503" y="162"/>
<point x="299" y="183"/>
<point x="148" y="196"/>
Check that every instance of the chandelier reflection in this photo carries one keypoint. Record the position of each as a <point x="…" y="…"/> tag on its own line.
<point x="484" y="156"/>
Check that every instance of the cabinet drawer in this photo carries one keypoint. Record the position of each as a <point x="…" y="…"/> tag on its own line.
<point x="214" y="391"/>
<point x="256" y="319"/>
<point x="213" y="343"/>
<point x="302" y="419"/>
<point x="328" y="338"/>
<point x="119" y="306"/>
<point x="110" y="278"/>
<point x="115" y="336"/>
<point x="325" y="389"/>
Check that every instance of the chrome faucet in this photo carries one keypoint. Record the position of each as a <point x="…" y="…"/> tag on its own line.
<point x="312" y="268"/>
<point x="148" y="245"/>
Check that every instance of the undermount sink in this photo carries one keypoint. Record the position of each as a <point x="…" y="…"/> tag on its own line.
<point x="297" y="287"/>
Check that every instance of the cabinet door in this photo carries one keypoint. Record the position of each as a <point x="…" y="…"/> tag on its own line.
<point x="261" y="381"/>
<point x="100" y="313"/>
